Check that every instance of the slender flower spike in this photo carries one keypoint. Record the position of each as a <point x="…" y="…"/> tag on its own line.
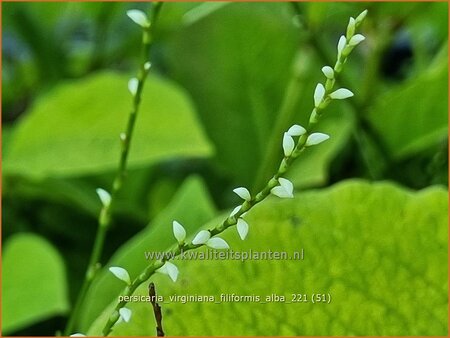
<point x="125" y="314"/>
<point x="121" y="273"/>
<point x="288" y="144"/>
<point x="242" y="228"/>
<point x="202" y="237"/>
<point x="328" y="72"/>
<point x="243" y="193"/>
<point x="77" y="335"/>
<point x="139" y="17"/>
<point x="341" y="94"/>
<point x="169" y="269"/>
<point x="104" y="196"/>
<point x="235" y="211"/>
<point x="217" y="243"/>
<point x="179" y="232"/>
<point x="316" y="138"/>
<point x="341" y="44"/>
<point x="133" y="86"/>
<point x="319" y="93"/>
<point x="284" y="190"/>
<point x="355" y="40"/>
<point x="296" y="130"/>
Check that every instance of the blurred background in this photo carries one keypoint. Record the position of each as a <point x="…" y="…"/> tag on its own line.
<point x="227" y="79"/>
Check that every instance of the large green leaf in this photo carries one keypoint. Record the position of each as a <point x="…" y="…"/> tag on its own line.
<point x="380" y="251"/>
<point x="236" y="64"/>
<point x="191" y="206"/>
<point x="34" y="285"/>
<point x="412" y="117"/>
<point x="75" y="129"/>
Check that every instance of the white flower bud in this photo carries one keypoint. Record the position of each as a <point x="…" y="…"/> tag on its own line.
<point x="242" y="228"/>
<point x="355" y="40"/>
<point x="147" y="65"/>
<point x="169" y="269"/>
<point x="139" y="17"/>
<point x="341" y="94"/>
<point x="341" y="44"/>
<point x="296" y="130"/>
<point x="361" y="17"/>
<point x="179" y="232"/>
<point x="202" y="237"/>
<point x="243" y="193"/>
<point x="121" y="273"/>
<point x="104" y="196"/>
<point x="319" y="93"/>
<point x="217" y="243"/>
<point x="350" y="28"/>
<point x="133" y="86"/>
<point x="77" y="335"/>
<point x="328" y="72"/>
<point x="288" y="144"/>
<point x="235" y="211"/>
<point x="316" y="138"/>
<point x="125" y="314"/>
<point x="284" y="190"/>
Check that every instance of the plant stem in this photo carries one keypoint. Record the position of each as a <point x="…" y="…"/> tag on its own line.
<point x="104" y="220"/>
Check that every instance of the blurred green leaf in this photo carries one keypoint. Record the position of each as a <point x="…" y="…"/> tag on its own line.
<point x="75" y="129"/>
<point x="236" y="63"/>
<point x="413" y="116"/>
<point x="361" y="245"/>
<point x="34" y="285"/>
<point x="191" y="206"/>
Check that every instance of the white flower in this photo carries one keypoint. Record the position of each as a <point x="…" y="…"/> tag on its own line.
<point x="169" y="269"/>
<point x="341" y="94"/>
<point x="235" y="211"/>
<point x="316" y="138"/>
<point x="77" y="335"/>
<point x="284" y="190"/>
<point x="147" y="65"/>
<point x="104" y="196"/>
<point x="361" y="17"/>
<point x="296" y="130"/>
<point x="202" y="237"/>
<point x="121" y="273"/>
<point x="328" y="72"/>
<point x="351" y="27"/>
<point x="355" y="40"/>
<point x="242" y="228"/>
<point x="341" y="44"/>
<point x="217" y="243"/>
<point x="288" y="144"/>
<point x="179" y="232"/>
<point x="319" y="93"/>
<point x="243" y="193"/>
<point x="133" y="85"/>
<point x="138" y="17"/>
<point x="125" y="314"/>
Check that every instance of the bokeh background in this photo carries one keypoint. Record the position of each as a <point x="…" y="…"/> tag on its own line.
<point x="227" y="79"/>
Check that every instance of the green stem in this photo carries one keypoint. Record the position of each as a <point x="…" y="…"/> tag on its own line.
<point x="104" y="221"/>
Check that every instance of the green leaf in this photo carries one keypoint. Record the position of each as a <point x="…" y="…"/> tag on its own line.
<point x="191" y="206"/>
<point x="74" y="130"/>
<point x="236" y="63"/>
<point x="34" y="285"/>
<point x="379" y="250"/>
<point x="412" y="117"/>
